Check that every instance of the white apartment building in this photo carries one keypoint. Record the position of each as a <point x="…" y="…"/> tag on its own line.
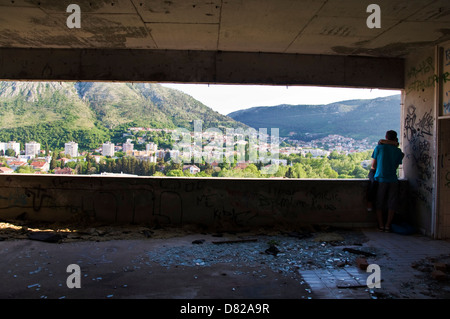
<point x="127" y="147"/>
<point x="71" y="149"/>
<point x="108" y="149"/>
<point x="10" y="145"/>
<point x="151" y="147"/>
<point x="32" y="148"/>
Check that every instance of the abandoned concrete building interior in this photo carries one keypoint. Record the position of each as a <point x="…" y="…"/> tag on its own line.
<point x="399" y="45"/>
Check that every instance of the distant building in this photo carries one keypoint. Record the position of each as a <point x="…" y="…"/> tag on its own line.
<point x="71" y="149"/>
<point x="241" y="165"/>
<point x="151" y="147"/>
<point x="6" y="170"/>
<point x="128" y="147"/>
<point x="108" y="149"/>
<point x="193" y="169"/>
<point x="174" y="154"/>
<point x="32" y="148"/>
<point x="279" y="162"/>
<point x="16" y="164"/>
<point x="97" y="158"/>
<point x="10" y="145"/>
<point x="42" y="166"/>
<point x="64" y="171"/>
<point x="160" y="154"/>
<point x="14" y="146"/>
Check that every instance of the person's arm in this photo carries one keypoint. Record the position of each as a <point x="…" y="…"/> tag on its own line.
<point x="388" y="142"/>
<point x="374" y="163"/>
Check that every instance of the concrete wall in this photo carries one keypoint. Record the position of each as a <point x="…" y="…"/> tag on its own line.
<point x="426" y="135"/>
<point x="418" y="136"/>
<point x="213" y="202"/>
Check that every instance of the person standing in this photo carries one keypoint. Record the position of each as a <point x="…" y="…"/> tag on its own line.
<point x="386" y="159"/>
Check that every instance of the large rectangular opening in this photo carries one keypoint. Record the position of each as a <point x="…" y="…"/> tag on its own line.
<point x="187" y="130"/>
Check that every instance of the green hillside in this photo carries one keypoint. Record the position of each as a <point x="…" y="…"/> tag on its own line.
<point x="354" y="118"/>
<point x="90" y="113"/>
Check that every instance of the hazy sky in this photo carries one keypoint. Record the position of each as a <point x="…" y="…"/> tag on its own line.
<point x="229" y="98"/>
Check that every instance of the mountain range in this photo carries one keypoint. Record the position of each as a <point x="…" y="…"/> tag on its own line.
<point x="358" y="119"/>
<point x="57" y="112"/>
<point x="113" y="104"/>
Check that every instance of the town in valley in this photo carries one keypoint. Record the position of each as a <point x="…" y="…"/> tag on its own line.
<point x="141" y="155"/>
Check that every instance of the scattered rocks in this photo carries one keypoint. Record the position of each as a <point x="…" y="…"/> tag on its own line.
<point x="198" y="241"/>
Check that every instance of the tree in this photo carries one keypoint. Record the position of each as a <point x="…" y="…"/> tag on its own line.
<point x="175" y="172"/>
<point x="10" y="152"/>
<point x="53" y="162"/>
<point x="25" y="170"/>
<point x="360" y="172"/>
<point x="88" y="164"/>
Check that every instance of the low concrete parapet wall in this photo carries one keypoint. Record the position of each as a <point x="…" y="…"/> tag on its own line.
<point x="219" y="203"/>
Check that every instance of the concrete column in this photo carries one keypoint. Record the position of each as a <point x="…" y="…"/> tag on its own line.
<point x="443" y="143"/>
<point x="425" y="138"/>
<point x="419" y="133"/>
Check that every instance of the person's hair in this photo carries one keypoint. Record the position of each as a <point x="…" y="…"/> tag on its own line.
<point x="391" y="135"/>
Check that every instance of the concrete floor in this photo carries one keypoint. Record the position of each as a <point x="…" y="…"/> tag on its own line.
<point x="122" y="269"/>
<point x="175" y="268"/>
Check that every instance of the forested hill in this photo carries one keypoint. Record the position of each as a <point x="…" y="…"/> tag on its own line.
<point x="354" y="118"/>
<point x="53" y="113"/>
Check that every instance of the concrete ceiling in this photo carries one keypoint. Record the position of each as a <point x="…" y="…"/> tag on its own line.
<point x="331" y="27"/>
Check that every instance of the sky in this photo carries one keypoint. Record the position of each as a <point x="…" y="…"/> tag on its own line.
<point x="229" y="98"/>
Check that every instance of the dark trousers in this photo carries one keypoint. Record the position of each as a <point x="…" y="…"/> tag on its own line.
<point x="372" y="188"/>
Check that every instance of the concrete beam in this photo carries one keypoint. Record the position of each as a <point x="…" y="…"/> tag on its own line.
<point x="200" y="67"/>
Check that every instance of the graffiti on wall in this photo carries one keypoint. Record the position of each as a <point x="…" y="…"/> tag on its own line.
<point x="171" y="201"/>
<point x="421" y="76"/>
<point x="418" y="131"/>
<point x="446" y="103"/>
<point x="446" y="89"/>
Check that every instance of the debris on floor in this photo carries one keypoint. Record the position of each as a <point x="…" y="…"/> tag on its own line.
<point x="281" y="251"/>
<point x="359" y="252"/>
<point x="435" y="277"/>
